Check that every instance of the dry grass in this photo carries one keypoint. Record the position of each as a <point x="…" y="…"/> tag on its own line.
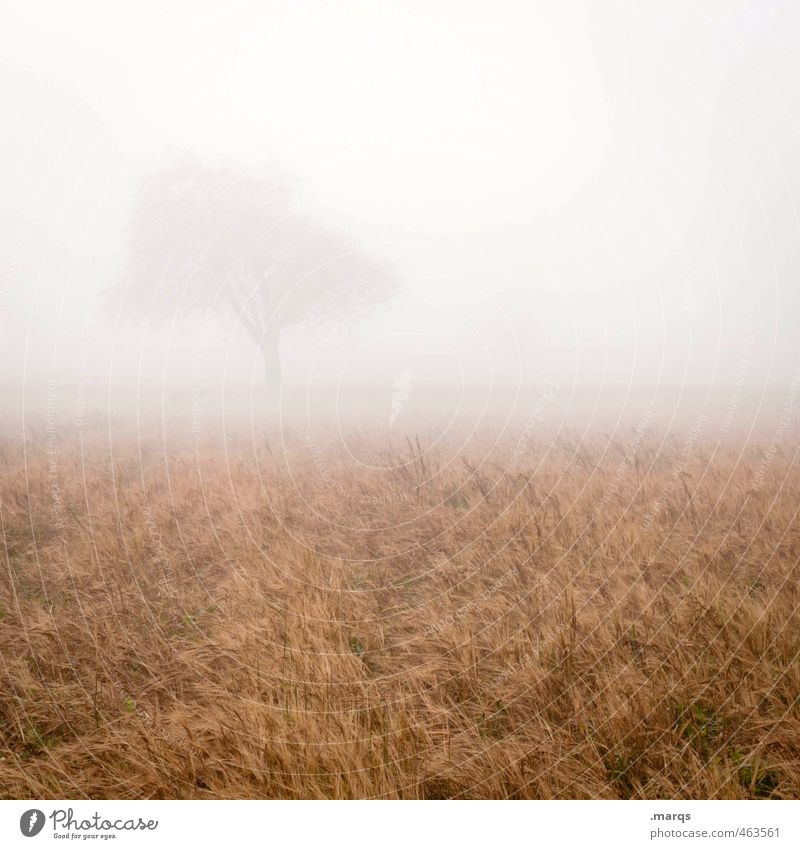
<point x="605" y="619"/>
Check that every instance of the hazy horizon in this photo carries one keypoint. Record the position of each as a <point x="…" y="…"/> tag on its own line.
<point x="598" y="197"/>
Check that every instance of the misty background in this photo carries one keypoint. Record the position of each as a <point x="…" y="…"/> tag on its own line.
<point x="590" y="209"/>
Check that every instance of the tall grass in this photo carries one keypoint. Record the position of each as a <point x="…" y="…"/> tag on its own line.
<point x="281" y="618"/>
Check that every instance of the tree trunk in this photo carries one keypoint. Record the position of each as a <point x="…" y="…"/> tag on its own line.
<point x="270" y="351"/>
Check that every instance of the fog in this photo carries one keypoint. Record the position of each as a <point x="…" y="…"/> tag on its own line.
<point x="588" y="211"/>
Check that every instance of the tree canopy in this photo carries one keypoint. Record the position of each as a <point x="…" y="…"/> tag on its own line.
<point x="212" y="238"/>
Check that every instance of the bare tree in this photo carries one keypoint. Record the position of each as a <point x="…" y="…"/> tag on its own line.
<point x="203" y="237"/>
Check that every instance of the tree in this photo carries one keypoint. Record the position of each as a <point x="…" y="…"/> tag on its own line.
<point x="203" y="237"/>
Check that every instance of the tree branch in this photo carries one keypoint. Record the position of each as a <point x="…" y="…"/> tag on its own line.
<point x="255" y="330"/>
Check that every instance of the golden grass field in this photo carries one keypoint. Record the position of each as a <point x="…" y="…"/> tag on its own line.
<point x="273" y="617"/>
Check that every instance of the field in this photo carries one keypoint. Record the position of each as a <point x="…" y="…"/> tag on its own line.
<point x="271" y="616"/>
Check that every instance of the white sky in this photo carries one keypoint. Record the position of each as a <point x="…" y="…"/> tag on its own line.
<point x="629" y="168"/>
